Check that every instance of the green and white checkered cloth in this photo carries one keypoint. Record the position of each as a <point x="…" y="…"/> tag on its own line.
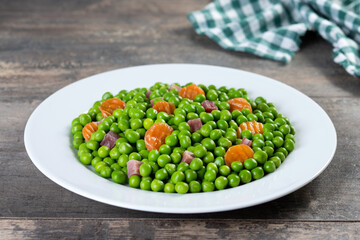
<point x="272" y="29"/>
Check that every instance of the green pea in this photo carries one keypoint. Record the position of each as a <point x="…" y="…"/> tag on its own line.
<point x="246" y="134"/>
<point x="269" y="166"/>
<point x="200" y="151"/>
<point x="219" y="161"/>
<point x="190" y="175"/>
<point x="165" y="149"/>
<point x="118" y="176"/>
<point x="151" y="113"/>
<point x="236" y="166"/>
<point x="163" y="160"/>
<point x="212" y="95"/>
<point x="207" y="186"/>
<point x="269" y="150"/>
<point x="289" y="145"/>
<point x="161" y="174"/>
<point x="245" y="176"/>
<point x="257" y="173"/>
<point x="84" y="119"/>
<point x="219" y="151"/>
<point x="222" y="124"/>
<point x="104" y="126"/>
<point x="194" y="187"/>
<point x="154" y="166"/>
<point x="185" y="142"/>
<point x="115" y="166"/>
<point x="181" y="187"/>
<point x="209" y="144"/>
<point x="278" y="141"/>
<point x="105" y="171"/>
<point x="169" y="188"/>
<point x="76" y="128"/>
<point x="221" y="182"/>
<point x="183" y="166"/>
<point x="108" y="161"/>
<point x="92" y="144"/>
<point x="276" y="160"/>
<point x="216" y="114"/>
<point x="123" y="159"/>
<point x="215" y="134"/>
<point x="241" y="119"/>
<point x="224" y="170"/>
<point x="250" y="163"/>
<point x="205" y="130"/>
<point x="212" y="166"/>
<point x="86" y="158"/>
<point x="196" y="164"/>
<point x="281" y="155"/>
<point x="157" y="185"/>
<point x="209" y="157"/>
<point x="260" y="156"/>
<point x="103" y="151"/>
<point x="171" y="140"/>
<point x="223" y="97"/>
<point x="233" y="180"/>
<point x="177" y="176"/>
<point x="196" y="137"/>
<point x="269" y="143"/>
<point x="134" y="181"/>
<point x="125" y="148"/>
<point x="206" y="117"/>
<point x="201" y="173"/>
<point x="283" y="150"/>
<point x="170" y="168"/>
<point x="231" y="135"/>
<point x="95" y="160"/>
<point x="145" y="170"/>
<point x="145" y="184"/>
<point x="268" y="136"/>
<point x="132" y="136"/>
<point x="114" y="153"/>
<point x="268" y="127"/>
<point x="153" y="155"/>
<point x="175" y="157"/>
<point x="212" y="124"/>
<point x="245" y="111"/>
<point x="224" y="142"/>
<point x="184" y="126"/>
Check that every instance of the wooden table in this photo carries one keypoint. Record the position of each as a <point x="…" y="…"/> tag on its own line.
<point x="46" y="45"/>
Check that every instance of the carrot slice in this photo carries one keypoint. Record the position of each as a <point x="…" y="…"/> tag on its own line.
<point x="253" y="126"/>
<point x="156" y="134"/>
<point x="191" y="91"/>
<point x="239" y="104"/>
<point x="109" y="106"/>
<point x="88" y="129"/>
<point x="238" y="153"/>
<point x="164" y="106"/>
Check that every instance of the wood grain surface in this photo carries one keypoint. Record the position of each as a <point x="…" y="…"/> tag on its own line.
<point x="46" y="45"/>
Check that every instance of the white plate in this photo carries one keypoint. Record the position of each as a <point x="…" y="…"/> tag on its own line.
<point x="47" y="139"/>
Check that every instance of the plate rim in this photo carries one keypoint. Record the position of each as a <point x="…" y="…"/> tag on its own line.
<point x="165" y="209"/>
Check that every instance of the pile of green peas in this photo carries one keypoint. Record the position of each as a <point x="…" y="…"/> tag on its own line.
<point x="162" y="170"/>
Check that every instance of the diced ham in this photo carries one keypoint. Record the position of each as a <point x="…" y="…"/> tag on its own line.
<point x="152" y="100"/>
<point x="148" y="94"/>
<point x="246" y="141"/>
<point x="195" y="124"/>
<point x="209" y="106"/>
<point x="173" y="86"/>
<point x="110" y="139"/>
<point x="187" y="157"/>
<point x="133" y="167"/>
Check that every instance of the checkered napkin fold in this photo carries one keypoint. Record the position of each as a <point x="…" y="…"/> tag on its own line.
<point x="272" y="28"/>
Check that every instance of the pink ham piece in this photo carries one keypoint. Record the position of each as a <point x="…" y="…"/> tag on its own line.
<point x="209" y="106"/>
<point x="133" y="168"/>
<point x="110" y="139"/>
<point x="152" y="100"/>
<point x="187" y="157"/>
<point x="246" y="141"/>
<point x="173" y="86"/>
<point x="195" y="124"/>
<point x="148" y="94"/>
